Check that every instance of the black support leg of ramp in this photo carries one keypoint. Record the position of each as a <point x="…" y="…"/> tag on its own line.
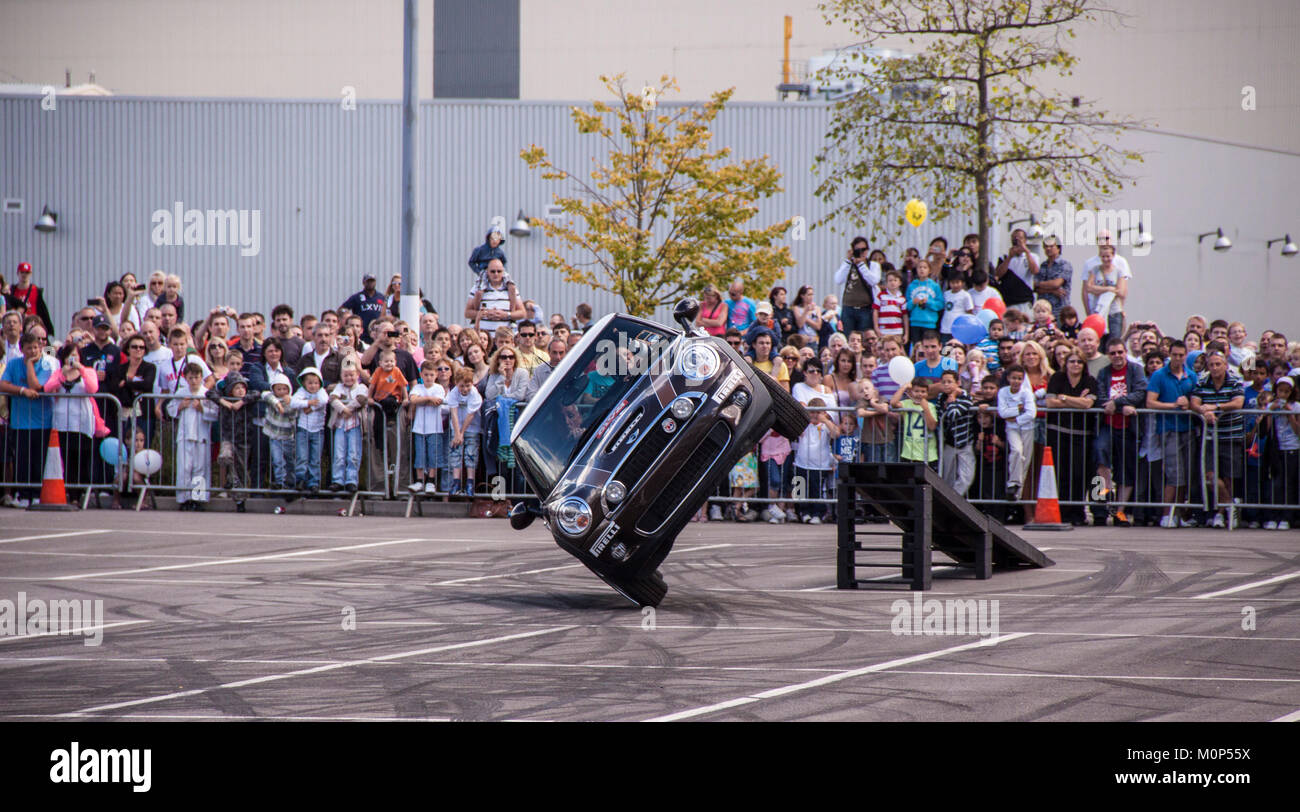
<point x="846" y="540"/>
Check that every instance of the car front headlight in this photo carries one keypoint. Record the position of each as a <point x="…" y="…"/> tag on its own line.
<point x="698" y="361"/>
<point x="574" y="516"/>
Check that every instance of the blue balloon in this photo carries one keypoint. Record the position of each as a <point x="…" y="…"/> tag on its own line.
<point x="968" y="329"/>
<point x="986" y="317"/>
<point x="113" y="452"/>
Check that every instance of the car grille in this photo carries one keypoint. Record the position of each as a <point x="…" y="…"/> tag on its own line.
<point x="620" y="424"/>
<point x="680" y="483"/>
<point x="647" y="450"/>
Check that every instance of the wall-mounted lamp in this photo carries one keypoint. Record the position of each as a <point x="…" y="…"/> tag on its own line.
<point x="1032" y="234"/>
<point x="48" y="221"/>
<point x="1288" y="248"/>
<point x="1221" y="244"/>
<point x="521" y="227"/>
<point x="1143" y="237"/>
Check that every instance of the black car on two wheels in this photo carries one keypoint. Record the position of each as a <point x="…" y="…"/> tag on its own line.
<point x="631" y="434"/>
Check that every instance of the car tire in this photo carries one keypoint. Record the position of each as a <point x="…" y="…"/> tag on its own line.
<point x="645" y="591"/>
<point x="791" y="417"/>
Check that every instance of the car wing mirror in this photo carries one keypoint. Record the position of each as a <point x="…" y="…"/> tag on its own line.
<point x="685" y="313"/>
<point x="523" y="514"/>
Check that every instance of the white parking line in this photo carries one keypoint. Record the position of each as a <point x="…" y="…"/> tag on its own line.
<point x="317" y="670"/>
<point x="54" y="536"/>
<point x="1132" y="677"/>
<point x="831" y="679"/>
<point x="1243" y="587"/>
<point x="242" y="560"/>
<point x="503" y="575"/>
<point x="230" y="717"/>
<point x="1293" y="716"/>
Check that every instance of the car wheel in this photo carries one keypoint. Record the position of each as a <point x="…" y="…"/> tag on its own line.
<point x="646" y="591"/>
<point x="791" y="417"/>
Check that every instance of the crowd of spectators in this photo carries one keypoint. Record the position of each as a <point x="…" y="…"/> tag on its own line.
<point x="303" y="403"/>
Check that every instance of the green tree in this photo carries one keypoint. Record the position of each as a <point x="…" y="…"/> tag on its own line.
<point x="664" y="214"/>
<point x="964" y="120"/>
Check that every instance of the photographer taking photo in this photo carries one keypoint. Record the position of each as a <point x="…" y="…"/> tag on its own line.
<point x="860" y="281"/>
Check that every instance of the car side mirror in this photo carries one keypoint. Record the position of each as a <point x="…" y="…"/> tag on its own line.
<point x="522" y="515"/>
<point x="685" y="313"/>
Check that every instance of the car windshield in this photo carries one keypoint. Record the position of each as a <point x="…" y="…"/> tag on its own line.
<point x="595" y="383"/>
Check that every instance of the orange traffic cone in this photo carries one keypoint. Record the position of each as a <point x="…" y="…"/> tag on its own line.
<point x="1047" y="511"/>
<point x="53" y="495"/>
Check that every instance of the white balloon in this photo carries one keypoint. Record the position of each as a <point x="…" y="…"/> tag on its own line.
<point x="902" y="370"/>
<point x="147" y="462"/>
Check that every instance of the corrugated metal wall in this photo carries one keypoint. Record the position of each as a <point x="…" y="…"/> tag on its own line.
<point x="326" y="181"/>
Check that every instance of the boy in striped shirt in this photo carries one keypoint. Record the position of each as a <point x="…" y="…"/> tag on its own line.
<point x="989" y="344"/>
<point x="957" y="464"/>
<point x="891" y="306"/>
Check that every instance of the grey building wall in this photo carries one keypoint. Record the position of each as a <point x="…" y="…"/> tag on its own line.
<point x="326" y="183"/>
<point x="476" y="49"/>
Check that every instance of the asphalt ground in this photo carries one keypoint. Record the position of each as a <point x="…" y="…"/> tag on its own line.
<point x="228" y="616"/>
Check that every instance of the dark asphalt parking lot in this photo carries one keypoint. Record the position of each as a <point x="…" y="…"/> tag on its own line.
<point x="229" y="616"/>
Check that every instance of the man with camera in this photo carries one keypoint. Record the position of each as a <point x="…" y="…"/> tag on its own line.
<point x="384" y="429"/>
<point x="1014" y="276"/>
<point x="1054" y="277"/>
<point x="386" y="335"/>
<point x="215" y="327"/>
<point x="860" y="280"/>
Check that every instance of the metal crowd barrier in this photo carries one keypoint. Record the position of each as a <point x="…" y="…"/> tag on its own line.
<point x="86" y="472"/>
<point x="196" y="464"/>
<point x="1270" y="486"/>
<point x="1138" y="460"/>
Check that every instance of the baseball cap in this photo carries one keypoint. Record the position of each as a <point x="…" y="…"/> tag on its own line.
<point x="101" y="321"/>
<point x="764" y="307"/>
<point x="24" y="267"/>
<point x="365" y="277"/>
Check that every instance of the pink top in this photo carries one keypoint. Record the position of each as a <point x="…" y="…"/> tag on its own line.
<point x="721" y="329"/>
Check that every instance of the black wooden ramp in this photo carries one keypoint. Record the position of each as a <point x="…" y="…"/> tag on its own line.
<point x="931" y="515"/>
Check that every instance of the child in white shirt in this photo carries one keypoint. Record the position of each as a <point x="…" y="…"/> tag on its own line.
<point x="1017" y="407"/>
<point x="194" y="415"/>
<point x="813" y="460"/>
<point x="956" y="302"/>
<point x="347" y="399"/>
<point x="464" y="402"/>
<point x="312" y="402"/>
<point x="424" y="407"/>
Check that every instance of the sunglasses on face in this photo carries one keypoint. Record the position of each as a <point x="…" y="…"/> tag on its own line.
<point x="507" y="358"/>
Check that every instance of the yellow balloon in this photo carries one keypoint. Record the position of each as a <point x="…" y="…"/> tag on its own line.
<point x="915" y="212"/>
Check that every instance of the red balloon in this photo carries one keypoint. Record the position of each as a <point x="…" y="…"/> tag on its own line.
<point x="1097" y="323"/>
<point x="996" y="305"/>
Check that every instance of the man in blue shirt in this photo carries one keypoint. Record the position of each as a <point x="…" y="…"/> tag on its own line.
<point x="741" y="310"/>
<point x="368" y="303"/>
<point x="30" y="416"/>
<point x="932" y="365"/>
<point x="1170" y="390"/>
